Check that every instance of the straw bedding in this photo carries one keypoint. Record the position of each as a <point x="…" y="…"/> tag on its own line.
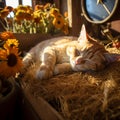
<point x="81" y="96"/>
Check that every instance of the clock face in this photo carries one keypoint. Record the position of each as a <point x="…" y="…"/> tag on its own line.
<point x="98" y="11"/>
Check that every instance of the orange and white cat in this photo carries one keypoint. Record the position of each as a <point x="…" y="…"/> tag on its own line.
<point x="68" y="53"/>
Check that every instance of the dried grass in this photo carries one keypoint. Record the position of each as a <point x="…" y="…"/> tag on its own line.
<point x="81" y="96"/>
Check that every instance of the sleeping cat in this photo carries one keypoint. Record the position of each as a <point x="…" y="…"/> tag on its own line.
<point x="67" y="53"/>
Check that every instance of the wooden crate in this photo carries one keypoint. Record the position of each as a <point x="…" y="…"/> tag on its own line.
<point x="36" y="109"/>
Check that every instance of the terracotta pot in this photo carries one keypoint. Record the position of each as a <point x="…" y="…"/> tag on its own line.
<point x="8" y="102"/>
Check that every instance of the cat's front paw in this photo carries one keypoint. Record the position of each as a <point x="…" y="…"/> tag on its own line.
<point x="44" y="72"/>
<point x="27" y="60"/>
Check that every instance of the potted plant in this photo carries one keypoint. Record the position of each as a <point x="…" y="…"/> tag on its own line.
<point x="10" y="65"/>
<point x="31" y="26"/>
<point x="42" y="19"/>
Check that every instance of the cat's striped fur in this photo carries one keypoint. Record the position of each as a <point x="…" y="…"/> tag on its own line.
<point x="67" y="53"/>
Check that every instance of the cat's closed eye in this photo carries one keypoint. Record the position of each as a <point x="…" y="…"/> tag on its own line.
<point x="77" y="52"/>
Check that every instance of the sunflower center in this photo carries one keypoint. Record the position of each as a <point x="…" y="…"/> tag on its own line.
<point x="12" y="60"/>
<point x="58" y="22"/>
<point x="11" y="45"/>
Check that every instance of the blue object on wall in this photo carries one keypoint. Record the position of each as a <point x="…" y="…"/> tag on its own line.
<point x="98" y="11"/>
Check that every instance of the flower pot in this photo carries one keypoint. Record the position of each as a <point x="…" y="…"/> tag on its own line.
<point x="8" y="101"/>
<point x="28" y="40"/>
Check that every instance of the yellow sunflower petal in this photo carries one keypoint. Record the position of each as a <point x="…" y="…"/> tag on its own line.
<point x="54" y="12"/>
<point x="11" y="43"/>
<point x="3" y="54"/>
<point x="9" y="8"/>
<point x="7" y="35"/>
<point x="12" y="65"/>
<point x="4" y="13"/>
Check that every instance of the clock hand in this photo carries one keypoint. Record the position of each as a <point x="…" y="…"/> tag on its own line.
<point x="101" y="2"/>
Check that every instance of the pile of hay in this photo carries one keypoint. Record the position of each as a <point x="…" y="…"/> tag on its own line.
<point x="81" y="96"/>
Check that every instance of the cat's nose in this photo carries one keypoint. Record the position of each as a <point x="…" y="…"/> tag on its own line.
<point x="79" y="61"/>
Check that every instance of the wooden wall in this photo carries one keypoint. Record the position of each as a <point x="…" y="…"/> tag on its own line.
<point x="74" y="13"/>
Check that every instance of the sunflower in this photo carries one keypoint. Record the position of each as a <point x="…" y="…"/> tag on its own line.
<point x="47" y="6"/>
<point x="20" y="14"/>
<point x="4" y="13"/>
<point x="11" y="43"/>
<point x="29" y="9"/>
<point x="28" y="16"/>
<point x="21" y="7"/>
<point x="7" y="35"/>
<point x="9" y="8"/>
<point x="54" y="12"/>
<point x="58" y="21"/>
<point x="37" y="16"/>
<point x="38" y="7"/>
<point x="10" y="62"/>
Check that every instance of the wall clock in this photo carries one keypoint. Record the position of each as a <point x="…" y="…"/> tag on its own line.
<point x="98" y="11"/>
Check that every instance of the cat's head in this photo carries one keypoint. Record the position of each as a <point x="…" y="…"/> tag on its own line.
<point x="91" y="55"/>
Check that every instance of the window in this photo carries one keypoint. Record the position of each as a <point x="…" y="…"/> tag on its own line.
<point x="15" y="3"/>
<point x="27" y="2"/>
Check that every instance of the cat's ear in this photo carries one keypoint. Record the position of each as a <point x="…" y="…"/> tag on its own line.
<point x="83" y="35"/>
<point x="111" y="57"/>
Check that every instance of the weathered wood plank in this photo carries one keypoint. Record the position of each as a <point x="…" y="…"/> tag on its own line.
<point x="42" y="109"/>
